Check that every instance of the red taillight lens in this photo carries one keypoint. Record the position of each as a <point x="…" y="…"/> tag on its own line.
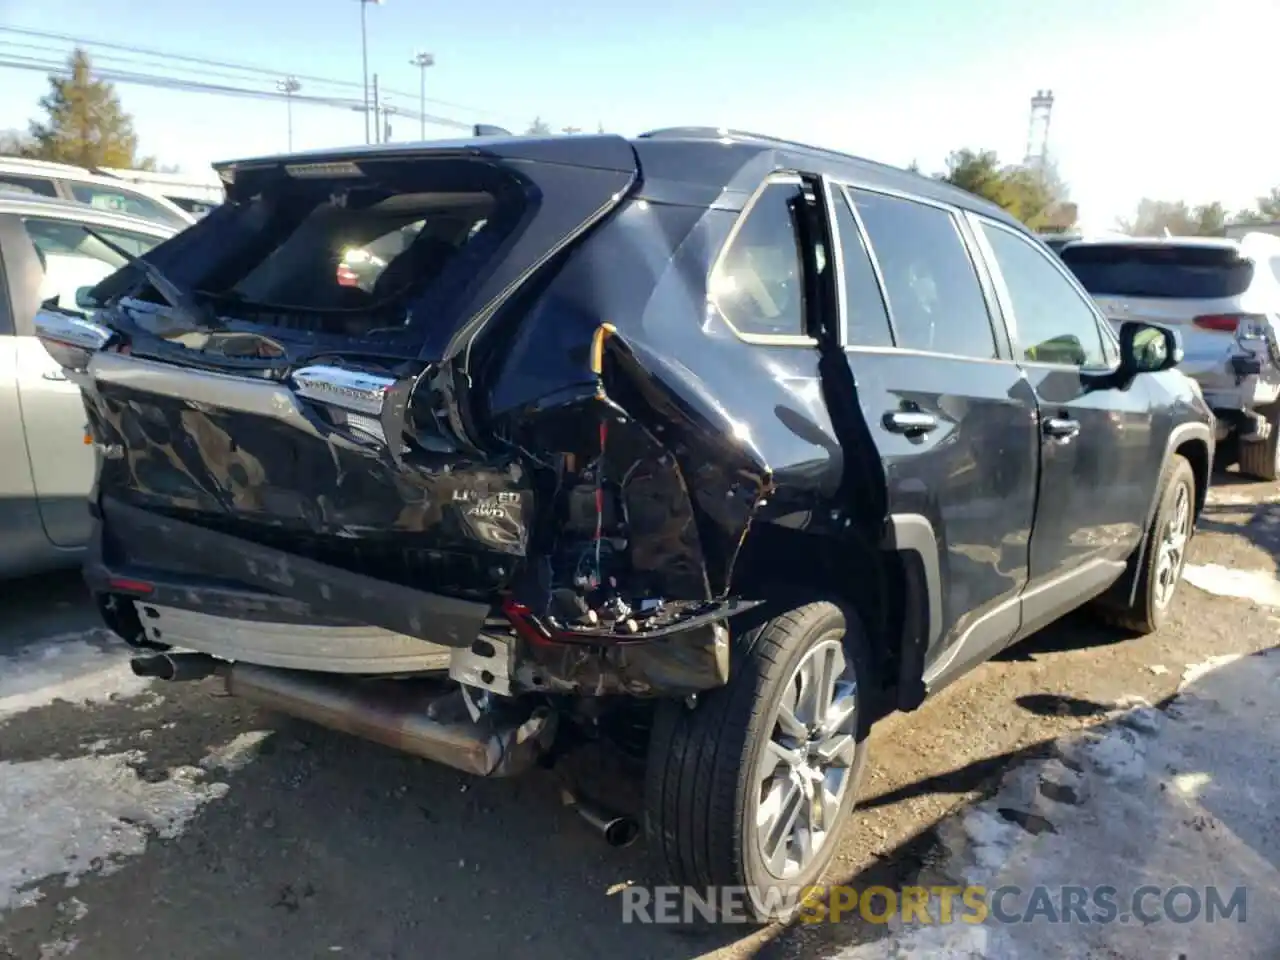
<point x="125" y="585"/>
<point x="1221" y="322"/>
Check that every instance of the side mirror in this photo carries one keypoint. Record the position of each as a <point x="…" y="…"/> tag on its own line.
<point x="84" y="298"/>
<point x="1146" y="348"/>
<point x="489" y="130"/>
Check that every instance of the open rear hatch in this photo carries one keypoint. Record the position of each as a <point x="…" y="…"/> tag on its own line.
<point x="279" y="393"/>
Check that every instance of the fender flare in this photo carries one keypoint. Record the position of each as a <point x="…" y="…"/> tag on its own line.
<point x="913" y="533"/>
<point x="1180" y="434"/>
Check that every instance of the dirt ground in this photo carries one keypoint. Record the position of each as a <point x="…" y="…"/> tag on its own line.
<point x="321" y="845"/>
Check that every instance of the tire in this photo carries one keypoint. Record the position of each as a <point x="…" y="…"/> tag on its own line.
<point x="1150" y="608"/>
<point x="703" y="780"/>
<point x="1261" y="458"/>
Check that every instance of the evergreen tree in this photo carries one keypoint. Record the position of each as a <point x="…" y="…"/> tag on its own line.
<point x="85" y="124"/>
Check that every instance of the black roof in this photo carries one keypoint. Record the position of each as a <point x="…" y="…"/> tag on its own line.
<point x="709" y="157"/>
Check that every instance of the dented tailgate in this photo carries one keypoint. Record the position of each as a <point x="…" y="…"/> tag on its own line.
<point x="320" y="429"/>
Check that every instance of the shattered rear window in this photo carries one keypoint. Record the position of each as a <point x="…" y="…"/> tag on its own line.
<point x="356" y="253"/>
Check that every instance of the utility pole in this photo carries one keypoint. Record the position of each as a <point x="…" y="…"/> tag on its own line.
<point x="423" y="60"/>
<point x="377" y="111"/>
<point x="364" y="60"/>
<point x="570" y="130"/>
<point x="388" y="111"/>
<point x="289" y="86"/>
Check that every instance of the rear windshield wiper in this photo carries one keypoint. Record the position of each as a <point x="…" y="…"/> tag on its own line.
<point x="181" y="299"/>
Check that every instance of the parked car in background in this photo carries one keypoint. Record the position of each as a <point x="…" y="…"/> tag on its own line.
<point x="46" y="467"/>
<point x="715" y="445"/>
<point x="196" y="193"/>
<point x="45" y="179"/>
<point x="1056" y="241"/>
<point x="1223" y="296"/>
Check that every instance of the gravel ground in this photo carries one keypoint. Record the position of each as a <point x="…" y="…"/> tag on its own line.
<point x="175" y="822"/>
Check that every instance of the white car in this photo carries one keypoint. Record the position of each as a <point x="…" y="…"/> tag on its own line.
<point x="46" y="468"/>
<point x="1223" y="297"/>
<point x="106" y="193"/>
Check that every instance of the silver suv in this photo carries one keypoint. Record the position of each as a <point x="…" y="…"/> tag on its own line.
<point x="1223" y="296"/>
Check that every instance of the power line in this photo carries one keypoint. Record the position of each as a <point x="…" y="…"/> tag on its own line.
<point x="253" y="69"/>
<point x="112" y="75"/>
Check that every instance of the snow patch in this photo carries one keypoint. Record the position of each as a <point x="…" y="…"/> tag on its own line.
<point x="1195" y="671"/>
<point x="66" y="667"/>
<point x="1219" y="497"/>
<point x="1180" y="797"/>
<point x="82" y="815"/>
<point x="1257" y="585"/>
<point x="239" y="753"/>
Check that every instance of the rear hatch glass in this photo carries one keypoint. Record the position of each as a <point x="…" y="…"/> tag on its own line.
<point x="1182" y="272"/>
<point x="374" y="254"/>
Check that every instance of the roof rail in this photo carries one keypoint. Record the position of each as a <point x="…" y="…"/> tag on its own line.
<point x="725" y="133"/>
<point x="719" y="133"/>
<point x="46" y="165"/>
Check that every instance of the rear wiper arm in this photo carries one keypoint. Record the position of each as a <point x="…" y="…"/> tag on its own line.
<point x="179" y="298"/>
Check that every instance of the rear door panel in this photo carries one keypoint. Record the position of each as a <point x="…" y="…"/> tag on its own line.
<point x="972" y="474"/>
<point x="62" y="464"/>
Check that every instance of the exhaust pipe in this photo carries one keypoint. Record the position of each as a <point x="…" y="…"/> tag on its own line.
<point x="617" y="829"/>
<point x="402" y="715"/>
<point x="175" y="666"/>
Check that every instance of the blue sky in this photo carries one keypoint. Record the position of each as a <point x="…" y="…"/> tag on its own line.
<point x="1152" y="96"/>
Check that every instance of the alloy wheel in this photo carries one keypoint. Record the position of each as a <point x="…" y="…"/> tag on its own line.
<point x="1173" y="547"/>
<point x="806" y="767"/>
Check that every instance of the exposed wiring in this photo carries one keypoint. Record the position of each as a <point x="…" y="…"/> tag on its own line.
<point x="604" y="436"/>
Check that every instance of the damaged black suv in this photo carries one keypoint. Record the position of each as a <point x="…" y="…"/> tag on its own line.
<point x="743" y="441"/>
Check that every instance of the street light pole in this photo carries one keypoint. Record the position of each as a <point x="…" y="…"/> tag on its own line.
<point x="422" y="61"/>
<point x="364" y="61"/>
<point x="289" y="86"/>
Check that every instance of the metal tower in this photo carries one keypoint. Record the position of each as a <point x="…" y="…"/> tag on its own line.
<point x="1038" y="129"/>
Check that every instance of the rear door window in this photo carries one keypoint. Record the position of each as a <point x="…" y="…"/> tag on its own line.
<point x="124" y="201"/>
<point x="71" y="258"/>
<point x="37" y="185"/>
<point x="1173" y="271"/>
<point x="867" y="318"/>
<point x="934" y="293"/>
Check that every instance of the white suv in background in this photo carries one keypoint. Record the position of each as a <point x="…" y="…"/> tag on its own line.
<point x="61" y="180"/>
<point x="1223" y="296"/>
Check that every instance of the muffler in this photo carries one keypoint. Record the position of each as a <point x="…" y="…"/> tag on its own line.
<point x="617" y="829"/>
<point x="401" y="714"/>
<point x="175" y="666"/>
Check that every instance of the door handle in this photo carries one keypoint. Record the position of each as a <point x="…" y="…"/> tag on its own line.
<point x="1061" y="428"/>
<point x="54" y="375"/>
<point x="913" y="423"/>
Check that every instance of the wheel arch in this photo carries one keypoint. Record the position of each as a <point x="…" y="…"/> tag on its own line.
<point x="893" y="584"/>
<point x="1194" y="441"/>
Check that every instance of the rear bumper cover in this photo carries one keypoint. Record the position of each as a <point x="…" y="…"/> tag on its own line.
<point x="315" y="617"/>
<point x="218" y="570"/>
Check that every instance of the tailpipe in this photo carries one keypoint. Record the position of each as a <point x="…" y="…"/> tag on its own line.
<point x="402" y="714"/>
<point x="618" y="830"/>
<point x="175" y="666"/>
